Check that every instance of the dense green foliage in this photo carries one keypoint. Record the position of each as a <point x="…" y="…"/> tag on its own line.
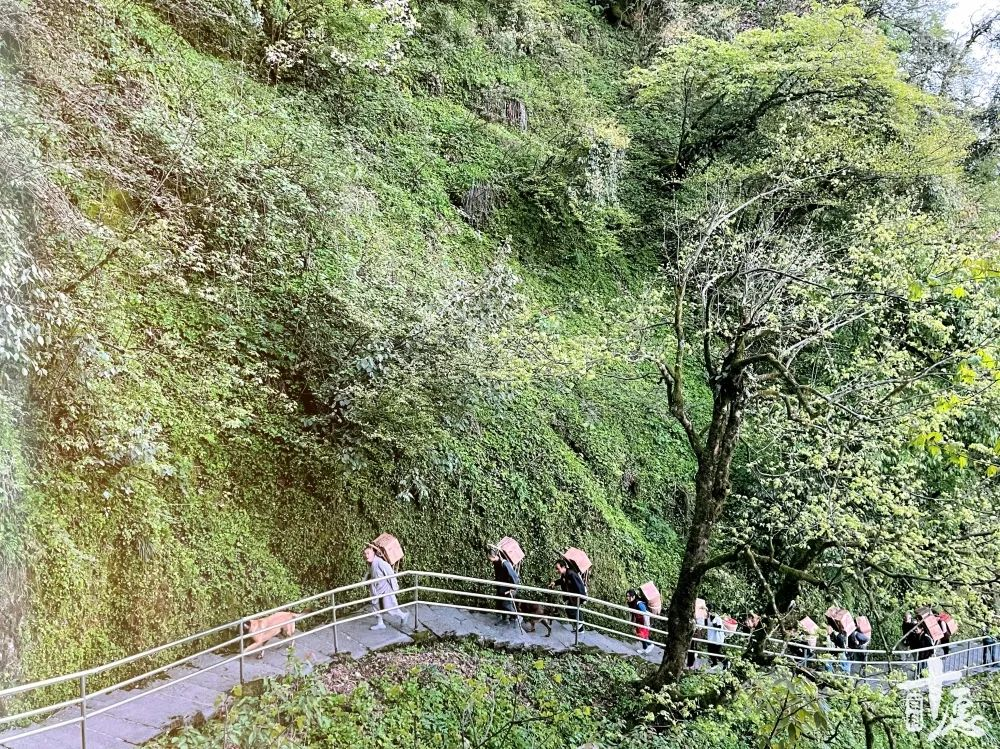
<point x="648" y="279"/>
<point x="465" y="697"/>
<point x="831" y="263"/>
<point x="283" y="336"/>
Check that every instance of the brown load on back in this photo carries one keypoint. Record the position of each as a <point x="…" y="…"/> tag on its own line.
<point x="864" y="625"/>
<point x="930" y="622"/>
<point x="947" y="622"/>
<point x="511" y="549"/>
<point x="579" y="558"/>
<point x="582" y="561"/>
<point x="388" y="548"/>
<point x="842" y="619"/>
<point x="652" y="596"/>
<point x="809" y="625"/>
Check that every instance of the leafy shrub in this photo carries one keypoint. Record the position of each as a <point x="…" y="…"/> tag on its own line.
<point x="314" y="39"/>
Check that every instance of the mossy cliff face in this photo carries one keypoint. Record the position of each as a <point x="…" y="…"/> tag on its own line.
<point x="12" y="562"/>
<point x="311" y="298"/>
<point x="20" y="333"/>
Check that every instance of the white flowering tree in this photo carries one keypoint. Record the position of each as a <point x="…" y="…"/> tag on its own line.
<point x="311" y="39"/>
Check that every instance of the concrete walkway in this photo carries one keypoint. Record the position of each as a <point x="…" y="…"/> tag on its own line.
<point x="194" y="697"/>
<point x="194" y="694"/>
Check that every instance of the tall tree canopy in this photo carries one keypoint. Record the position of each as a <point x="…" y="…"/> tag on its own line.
<point x="821" y="281"/>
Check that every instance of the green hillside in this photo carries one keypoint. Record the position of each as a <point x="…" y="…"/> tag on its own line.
<point x="708" y="289"/>
<point x="294" y="307"/>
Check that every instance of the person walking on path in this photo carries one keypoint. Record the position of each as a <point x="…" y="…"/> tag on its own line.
<point x="716" y="636"/>
<point x="837" y="641"/>
<point x="991" y="646"/>
<point x="506" y="576"/>
<point x="640" y="617"/>
<point x="986" y="649"/>
<point x="571" y="583"/>
<point x="945" y="641"/>
<point x="917" y="640"/>
<point x="799" y="650"/>
<point x="383" y="591"/>
<point x="925" y="648"/>
<point x="858" y="643"/>
<point x="700" y="631"/>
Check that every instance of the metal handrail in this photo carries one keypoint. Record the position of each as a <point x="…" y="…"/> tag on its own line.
<point x="10" y="691"/>
<point x="586" y="605"/>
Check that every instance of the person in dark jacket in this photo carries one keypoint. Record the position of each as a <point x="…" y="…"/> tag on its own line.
<point x="911" y="632"/>
<point x="945" y="640"/>
<point x="914" y="634"/>
<point x="799" y="650"/>
<point x="991" y="647"/>
<point x="570" y="582"/>
<point x="925" y="648"/>
<point x="838" y="642"/>
<point x="858" y="643"/>
<point x="506" y="576"/>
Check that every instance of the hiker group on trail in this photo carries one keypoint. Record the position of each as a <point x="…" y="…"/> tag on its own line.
<point x="845" y="645"/>
<point x="846" y="641"/>
<point x="572" y="568"/>
<point x="925" y="630"/>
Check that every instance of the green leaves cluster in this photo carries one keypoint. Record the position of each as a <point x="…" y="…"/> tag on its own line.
<point x="507" y="703"/>
<point x="825" y="279"/>
<point x="469" y="697"/>
<point x="282" y="337"/>
<point x="817" y="94"/>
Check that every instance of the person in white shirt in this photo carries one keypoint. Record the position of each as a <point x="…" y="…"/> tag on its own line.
<point x="700" y="623"/>
<point x="716" y="637"/>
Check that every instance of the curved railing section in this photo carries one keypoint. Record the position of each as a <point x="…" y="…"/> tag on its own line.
<point x="340" y="606"/>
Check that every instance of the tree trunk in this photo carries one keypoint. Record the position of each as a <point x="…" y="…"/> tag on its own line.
<point x="868" y="722"/>
<point x="680" y="611"/>
<point x="712" y="487"/>
<point x="787" y="591"/>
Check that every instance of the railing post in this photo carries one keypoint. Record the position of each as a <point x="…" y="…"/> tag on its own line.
<point x="577" y="623"/>
<point x="333" y="605"/>
<point x="242" y="628"/>
<point x="416" y="601"/>
<point x="83" y="711"/>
